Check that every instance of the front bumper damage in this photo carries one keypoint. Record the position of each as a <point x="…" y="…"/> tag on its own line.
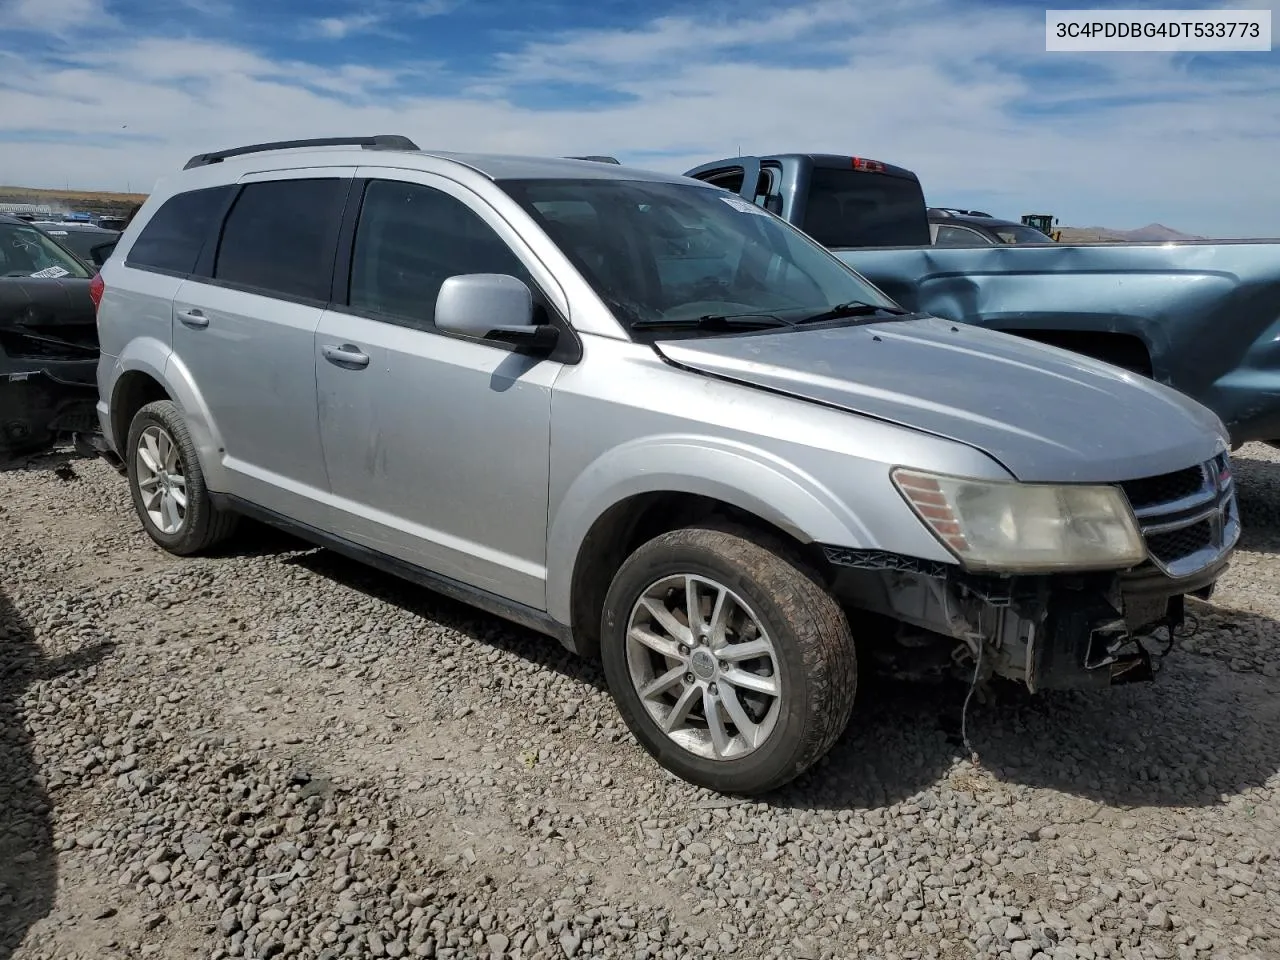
<point x="1071" y="632"/>
<point x="1054" y="631"/>
<point x="48" y="364"/>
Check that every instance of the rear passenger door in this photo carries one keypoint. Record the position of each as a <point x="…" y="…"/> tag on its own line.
<point x="244" y="327"/>
<point x="437" y="445"/>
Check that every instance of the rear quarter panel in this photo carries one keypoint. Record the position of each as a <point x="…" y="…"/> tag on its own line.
<point x="1208" y="312"/>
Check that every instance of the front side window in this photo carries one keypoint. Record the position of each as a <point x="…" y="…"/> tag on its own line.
<point x="409" y="240"/>
<point x="27" y="252"/>
<point x="656" y="251"/>
<point x="951" y="236"/>
<point x="1023" y="234"/>
<point x="172" y="239"/>
<point x="281" y="237"/>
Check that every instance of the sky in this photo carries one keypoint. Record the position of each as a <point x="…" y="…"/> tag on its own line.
<point x="113" y="94"/>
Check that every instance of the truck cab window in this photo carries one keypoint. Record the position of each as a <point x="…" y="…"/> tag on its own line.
<point x="730" y="180"/>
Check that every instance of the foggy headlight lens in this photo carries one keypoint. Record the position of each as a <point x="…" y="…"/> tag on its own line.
<point x="1016" y="527"/>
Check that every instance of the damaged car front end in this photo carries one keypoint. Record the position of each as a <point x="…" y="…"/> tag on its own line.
<point x="48" y="343"/>
<point x="1053" y="624"/>
<point x="1066" y="556"/>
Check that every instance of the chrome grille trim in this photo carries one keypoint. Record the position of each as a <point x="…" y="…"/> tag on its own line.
<point x="1206" y="494"/>
<point x="1213" y="503"/>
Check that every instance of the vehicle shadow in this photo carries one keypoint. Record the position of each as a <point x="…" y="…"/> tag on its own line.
<point x="499" y="634"/>
<point x="254" y="539"/>
<point x="61" y="460"/>
<point x="28" y="861"/>
<point x="1258" y="494"/>
<point x="1198" y="732"/>
<point x="1184" y="740"/>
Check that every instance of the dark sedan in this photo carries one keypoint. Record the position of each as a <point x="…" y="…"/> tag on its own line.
<point x="949" y="227"/>
<point x="48" y="341"/>
<point x="81" y="238"/>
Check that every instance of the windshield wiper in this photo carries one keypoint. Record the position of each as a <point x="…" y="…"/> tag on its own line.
<point x="714" y="321"/>
<point x="854" y="308"/>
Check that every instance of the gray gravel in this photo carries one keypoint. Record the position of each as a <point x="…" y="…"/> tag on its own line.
<point x="277" y="753"/>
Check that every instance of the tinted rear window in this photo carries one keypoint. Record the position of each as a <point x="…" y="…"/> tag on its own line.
<point x="82" y="242"/>
<point x="281" y="237"/>
<point x="172" y="239"/>
<point x="853" y="208"/>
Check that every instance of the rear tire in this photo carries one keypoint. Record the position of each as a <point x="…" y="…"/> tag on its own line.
<point x="742" y="702"/>
<point x="167" y="484"/>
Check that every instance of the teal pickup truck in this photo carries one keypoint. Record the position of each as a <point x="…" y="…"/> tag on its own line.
<point x="1201" y="316"/>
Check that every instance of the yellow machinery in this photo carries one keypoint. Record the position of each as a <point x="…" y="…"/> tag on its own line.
<point x="1044" y="222"/>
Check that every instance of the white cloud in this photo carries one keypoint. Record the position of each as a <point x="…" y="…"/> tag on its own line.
<point x="386" y="17"/>
<point x="52" y="16"/>
<point x="335" y="28"/>
<point x="961" y="97"/>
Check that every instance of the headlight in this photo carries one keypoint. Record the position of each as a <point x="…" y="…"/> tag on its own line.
<point x="1024" y="528"/>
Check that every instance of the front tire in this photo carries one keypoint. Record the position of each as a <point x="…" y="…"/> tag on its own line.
<point x="753" y="689"/>
<point x="167" y="484"/>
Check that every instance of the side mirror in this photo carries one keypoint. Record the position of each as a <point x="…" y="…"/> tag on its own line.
<point x="492" y="306"/>
<point x="102" y="252"/>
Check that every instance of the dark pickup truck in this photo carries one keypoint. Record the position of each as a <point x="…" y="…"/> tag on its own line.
<point x="1201" y="316"/>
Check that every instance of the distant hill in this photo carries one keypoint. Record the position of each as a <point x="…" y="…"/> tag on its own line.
<point x="68" y="201"/>
<point x="1151" y="233"/>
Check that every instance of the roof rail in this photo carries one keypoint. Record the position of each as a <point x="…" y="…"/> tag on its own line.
<point x="381" y="142"/>
<point x="957" y="211"/>
<point x="596" y="159"/>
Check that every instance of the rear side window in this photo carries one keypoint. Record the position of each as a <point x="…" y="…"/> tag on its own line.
<point x="172" y="239"/>
<point x="281" y="236"/>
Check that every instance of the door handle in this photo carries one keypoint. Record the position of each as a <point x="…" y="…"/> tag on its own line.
<point x="347" y="355"/>
<point x="193" y="317"/>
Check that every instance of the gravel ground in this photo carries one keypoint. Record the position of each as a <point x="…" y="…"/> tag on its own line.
<point x="277" y="753"/>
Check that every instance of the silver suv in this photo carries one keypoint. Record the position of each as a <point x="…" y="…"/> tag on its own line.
<point x="653" y="421"/>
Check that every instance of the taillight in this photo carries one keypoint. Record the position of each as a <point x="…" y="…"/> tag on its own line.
<point x="870" y="166"/>
<point x="96" y="289"/>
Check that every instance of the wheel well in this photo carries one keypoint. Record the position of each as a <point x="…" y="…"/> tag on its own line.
<point x="620" y="530"/>
<point x="1121" y="349"/>
<point x="133" y="392"/>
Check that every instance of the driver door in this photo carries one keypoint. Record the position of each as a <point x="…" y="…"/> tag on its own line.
<point x="437" y="446"/>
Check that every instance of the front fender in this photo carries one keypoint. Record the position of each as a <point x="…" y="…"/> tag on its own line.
<point x="734" y="473"/>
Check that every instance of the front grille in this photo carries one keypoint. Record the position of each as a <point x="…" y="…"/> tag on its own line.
<point x="1166" y="488"/>
<point x="1178" y="544"/>
<point x="1188" y="517"/>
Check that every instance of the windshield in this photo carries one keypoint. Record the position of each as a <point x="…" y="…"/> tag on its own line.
<point x="1020" y="234"/>
<point x="854" y="208"/>
<point x="26" y="252"/>
<point x="671" y="251"/>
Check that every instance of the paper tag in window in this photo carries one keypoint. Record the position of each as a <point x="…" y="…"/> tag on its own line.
<point x="743" y="206"/>
<point x="51" y="273"/>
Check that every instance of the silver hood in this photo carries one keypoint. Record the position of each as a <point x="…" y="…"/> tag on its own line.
<point x="1045" y="414"/>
